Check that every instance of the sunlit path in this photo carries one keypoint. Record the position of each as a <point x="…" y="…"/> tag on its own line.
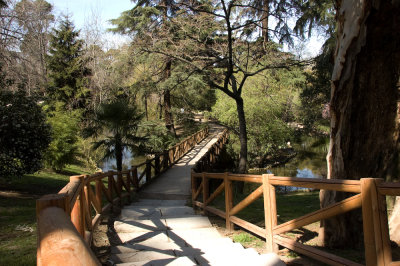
<point x="160" y="229"/>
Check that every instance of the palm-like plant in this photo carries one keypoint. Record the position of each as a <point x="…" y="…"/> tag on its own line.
<point x="114" y="127"/>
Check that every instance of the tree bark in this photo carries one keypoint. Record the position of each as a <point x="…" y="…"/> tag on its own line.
<point x="265" y="16"/>
<point x="242" y="136"/>
<point x="364" y="139"/>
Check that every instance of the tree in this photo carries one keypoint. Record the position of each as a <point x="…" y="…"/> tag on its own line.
<point x="35" y="17"/>
<point x="114" y="127"/>
<point x="65" y="136"/>
<point x="67" y="72"/>
<point x="24" y="134"/>
<point x="214" y="39"/>
<point x="364" y="107"/>
<point x="24" y="28"/>
<point x="151" y="17"/>
<point x="269" y="105"/>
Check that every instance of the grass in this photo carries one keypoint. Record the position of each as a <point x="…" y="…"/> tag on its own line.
<point x="18" y="214"/>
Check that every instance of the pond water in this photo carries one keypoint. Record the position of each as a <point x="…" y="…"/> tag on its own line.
<point x="310" y="161"/>
<point x="128" y="159"/>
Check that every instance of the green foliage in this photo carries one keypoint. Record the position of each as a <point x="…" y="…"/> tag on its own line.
<point x="114" y="126"/>
<point x="315" y="14"/>
<point x="270" y="104"/>
<point x="24" y="134"/>
<point x="65" y="137"/>
<point x="67" y="71"/>
<point x="159" y="137"/>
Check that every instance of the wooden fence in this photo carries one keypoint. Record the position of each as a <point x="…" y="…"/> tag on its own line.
<point x="206" y="162"/>
<point x="65" y="221"/>
<point x="369" y="195"/>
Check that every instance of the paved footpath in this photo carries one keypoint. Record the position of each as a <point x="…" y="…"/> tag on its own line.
<point x="160" y="229"/>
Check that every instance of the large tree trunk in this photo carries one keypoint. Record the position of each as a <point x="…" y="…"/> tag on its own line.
<point x="364" y="109"/>
<point x="242" y="136"/>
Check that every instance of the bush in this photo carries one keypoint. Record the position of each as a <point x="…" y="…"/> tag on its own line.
<point x="24" y="134"/>
<point x="63" y="148"/>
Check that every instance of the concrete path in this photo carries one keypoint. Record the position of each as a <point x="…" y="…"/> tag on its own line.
<point x="161" y="230"/>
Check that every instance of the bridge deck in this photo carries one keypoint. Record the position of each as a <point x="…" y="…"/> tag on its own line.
<point x="160" y="230"/>
<point x="175" y="183"/>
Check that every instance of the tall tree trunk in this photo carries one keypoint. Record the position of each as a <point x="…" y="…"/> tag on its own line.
<point x="364" y="139"/>
<point x="265" y="18"/>
<point x="242" y="136"/>
<point x="118" y="152"/>
<point x="169" y="122"/>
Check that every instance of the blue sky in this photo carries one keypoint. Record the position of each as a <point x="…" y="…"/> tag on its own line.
<point x="109" y="9"/>
<point x="81" y="9"/>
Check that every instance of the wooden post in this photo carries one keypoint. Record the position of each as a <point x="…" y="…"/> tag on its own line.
<point x="171" y="157"/>
<point x="376" y="232"/>
<point x="111" y="185"/>
<point x="148" y="171"/>
<point x="53" y="200"/>
<point x="87" y="205"/>
<point x="99" y="197"/>
<point x="228" y="201"/>
<point x="205" y="192"/>
<point x="157" y="164"/>
<point x="135" y="177"/>
<point x="78" y="209"/>
<point x="269" y="213"/>
<point x="119" y="187"/>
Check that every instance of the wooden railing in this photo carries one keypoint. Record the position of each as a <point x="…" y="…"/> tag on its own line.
<point x="369" y="195"/>
<point x="66" y="220"/>
<point x="206" y="162"/>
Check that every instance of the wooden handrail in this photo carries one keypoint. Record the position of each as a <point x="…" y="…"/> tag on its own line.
<point x="370" y="196"/>
<point x="65" y="220"/>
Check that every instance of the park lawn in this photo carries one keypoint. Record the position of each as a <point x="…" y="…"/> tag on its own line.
<point x="18" y="215"/>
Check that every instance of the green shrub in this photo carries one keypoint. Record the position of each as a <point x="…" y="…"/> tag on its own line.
<point x="65" y="134"/>
<point x="24" y="134"/>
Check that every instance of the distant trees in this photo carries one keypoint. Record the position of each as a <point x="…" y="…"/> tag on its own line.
<point x="24" y="29"/>
<point x="151" y="18"/>
<point x="36" y="18"/>
<point x="68" y="74"/>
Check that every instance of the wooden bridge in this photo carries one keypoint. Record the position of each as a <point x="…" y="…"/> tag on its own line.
<point x="162" y="224"/>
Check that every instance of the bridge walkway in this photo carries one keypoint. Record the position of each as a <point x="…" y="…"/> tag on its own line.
<point x="160" y="229"/>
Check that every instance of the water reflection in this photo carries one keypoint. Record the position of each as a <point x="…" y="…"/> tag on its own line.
<point x="128" y="159"/>
<point x="310" y="161"/>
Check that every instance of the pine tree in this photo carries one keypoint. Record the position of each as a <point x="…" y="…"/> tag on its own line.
<point x="67" y="71"/>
